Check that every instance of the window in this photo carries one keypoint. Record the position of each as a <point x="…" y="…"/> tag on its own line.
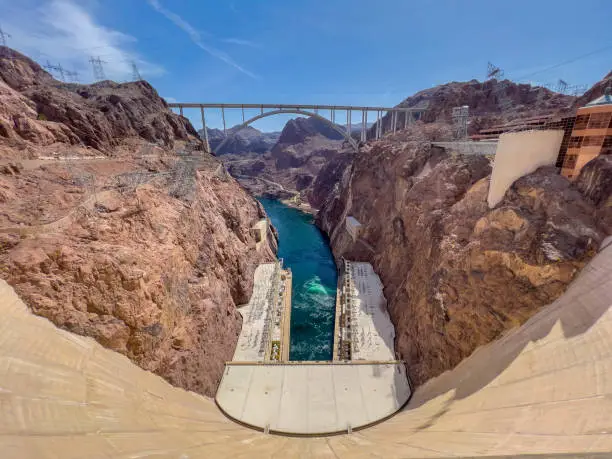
<point x="606" y="148"/>
<point x="581" y="122"/>
<point x="599" y="120"/>
<point x="593" y="141"/>
<point x="575" y="142"/>
<point x="570" y="161"/>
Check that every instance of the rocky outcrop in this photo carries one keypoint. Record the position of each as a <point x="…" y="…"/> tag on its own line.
<point x="595" y="182"/>
<point x="456" y="273"/>
<point x="37" y="110"/>
<point x="329" y="178"/>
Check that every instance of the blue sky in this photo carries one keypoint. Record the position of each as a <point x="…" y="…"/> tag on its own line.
<point x="359" y="52"/>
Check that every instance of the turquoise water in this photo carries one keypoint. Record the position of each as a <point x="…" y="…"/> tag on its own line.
<point x="305" y="249"/>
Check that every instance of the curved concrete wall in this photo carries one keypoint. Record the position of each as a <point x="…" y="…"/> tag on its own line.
<point x="545" y="388"/>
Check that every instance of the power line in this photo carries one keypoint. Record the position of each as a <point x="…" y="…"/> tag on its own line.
<point x="3" y="37"/>
<point x="74" y="75"/>
<point x="569" y="61"/>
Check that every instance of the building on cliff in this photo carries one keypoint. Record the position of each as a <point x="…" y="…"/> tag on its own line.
<point x="591" y="136"/>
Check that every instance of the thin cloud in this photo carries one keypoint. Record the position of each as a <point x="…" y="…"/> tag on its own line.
<point x="241" y="42"/>
<point x="196" y="38"/>
<point x="62" y="32"/>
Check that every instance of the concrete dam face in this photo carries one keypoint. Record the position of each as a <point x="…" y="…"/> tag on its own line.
<point x="543" y="388"/>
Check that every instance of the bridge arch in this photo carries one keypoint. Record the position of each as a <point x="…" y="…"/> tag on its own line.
<point x="296" y="111"/>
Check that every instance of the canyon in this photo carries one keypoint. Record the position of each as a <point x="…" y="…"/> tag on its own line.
<point x="279" y="165"/>
<point x="116" y="224"/>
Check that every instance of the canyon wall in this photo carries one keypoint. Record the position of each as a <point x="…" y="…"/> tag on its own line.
<point x="38" y="111"/>
<point x="456" y="273"/>
<point x="110" y="230"/>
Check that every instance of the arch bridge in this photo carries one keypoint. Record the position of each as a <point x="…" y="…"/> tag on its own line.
<point x="399" y="116"/>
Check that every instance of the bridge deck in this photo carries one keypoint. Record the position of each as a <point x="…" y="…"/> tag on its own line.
<point x="293" y="106"/>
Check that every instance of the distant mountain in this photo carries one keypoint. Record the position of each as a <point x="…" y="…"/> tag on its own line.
<point x="303" y="147"/>
<point x="298" y="129"/>
<point x="247" y="140"/>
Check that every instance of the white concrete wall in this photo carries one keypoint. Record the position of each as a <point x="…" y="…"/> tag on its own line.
<point x="353" y="227"/>
<point x="519" y="154"/>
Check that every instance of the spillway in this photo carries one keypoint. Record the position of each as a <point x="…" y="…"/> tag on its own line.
<point x="544" y="387"/>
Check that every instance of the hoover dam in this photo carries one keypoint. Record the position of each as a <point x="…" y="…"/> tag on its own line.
<point x="543" y="388"/>
<point x="196" y="273"/>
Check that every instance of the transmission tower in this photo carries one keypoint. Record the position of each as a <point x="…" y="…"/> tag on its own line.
<point x="562" y="86"/>
<point x="3" y="37"/>
<point x="56" y="68"/>
<point x="98" y="69"/>
<point x="460" y="119"/>
<point x="494" y="72"/>
<point x="135" y="73"/>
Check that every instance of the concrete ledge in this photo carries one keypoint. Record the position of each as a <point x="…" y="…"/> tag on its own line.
<point x="312" y="398"/>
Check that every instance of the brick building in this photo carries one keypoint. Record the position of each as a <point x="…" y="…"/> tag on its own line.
<point x="591" y="135"/>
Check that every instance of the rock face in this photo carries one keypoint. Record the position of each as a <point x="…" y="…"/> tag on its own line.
<point x="147" y="254"/>
<point x="37" y="110"/>
<point x="299" y="129"/>
<point x="595" y="182"/>
<point x="456" y="273"/>
<point x="490" y="102"/>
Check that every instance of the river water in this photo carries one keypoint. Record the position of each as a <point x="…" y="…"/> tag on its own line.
<point x="305" y="249"/>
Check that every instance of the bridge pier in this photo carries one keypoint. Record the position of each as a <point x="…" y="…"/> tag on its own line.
<point x="223" y="116"/>
<point x="364" y="125"/>
<point x="207" y="145"/>
<point x="349" y="126"/>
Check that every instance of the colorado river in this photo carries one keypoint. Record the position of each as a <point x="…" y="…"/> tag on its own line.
<point x="305" y="250"/>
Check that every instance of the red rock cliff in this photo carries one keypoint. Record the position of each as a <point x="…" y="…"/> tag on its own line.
<point x="456" y="273"/>
<point x="149" y="254"/>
